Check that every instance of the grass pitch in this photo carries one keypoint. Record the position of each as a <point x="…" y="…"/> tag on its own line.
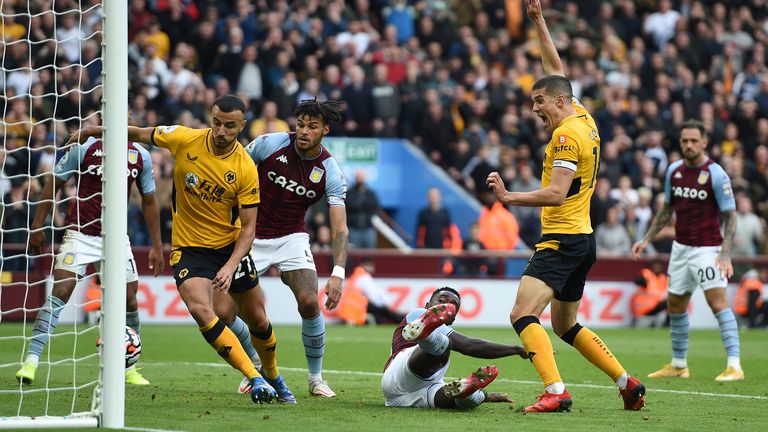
<point x="194" y="390"/>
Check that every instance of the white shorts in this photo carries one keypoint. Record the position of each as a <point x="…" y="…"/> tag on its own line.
<point x="691" y="267"/>
<point x="403" y="388"/>
<point x="77" y="250"/>
<point x="291" y="252"/>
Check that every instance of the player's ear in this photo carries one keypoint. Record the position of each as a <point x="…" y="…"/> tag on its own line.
<point x="326" y="129"/>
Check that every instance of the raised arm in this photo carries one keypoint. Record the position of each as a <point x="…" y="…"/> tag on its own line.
<point x="136" y="134"/>
<point x="549" y="57"/>
<point x="142" y="135"/>
<point x="481" y="348"/>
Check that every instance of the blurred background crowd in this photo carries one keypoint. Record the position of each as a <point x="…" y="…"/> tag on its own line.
<point x="453" y="76"/>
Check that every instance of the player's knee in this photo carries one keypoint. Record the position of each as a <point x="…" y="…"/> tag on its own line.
<point x="201" y="312"/>
<point x="307" y="303"/>
<point x="63" y="291"/>
<point x="131" y="304"/>
<point x="718" y="305"/>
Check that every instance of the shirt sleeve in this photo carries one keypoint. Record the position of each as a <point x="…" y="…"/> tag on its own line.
<point x="170" y="137"/>
<point x="146" y="182"/>
<point x="335" y="184"/>
<point x="721" y="184"/>
<point x="264" y="145"/>
<point x="71" y="162"/>
<point x="249" y="195"/>
<point x="565" y="152"/>
<point x="668" y="183"/>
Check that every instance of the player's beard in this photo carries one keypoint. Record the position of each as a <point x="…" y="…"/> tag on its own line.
<point x="224" y="146"/>
<point x="312" y="148"/>
<point x="691" y="157"/>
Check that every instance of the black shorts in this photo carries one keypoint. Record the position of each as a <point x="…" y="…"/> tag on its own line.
<point x="562" y="261"/>
<point x="189" y="262"/>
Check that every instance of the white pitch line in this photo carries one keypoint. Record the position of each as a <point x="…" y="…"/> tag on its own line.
<point x="595" y="386"/>
<point x="150" y="430"/>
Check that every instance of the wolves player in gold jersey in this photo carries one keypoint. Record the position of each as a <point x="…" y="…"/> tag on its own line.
<point x="566" y="251"/>
<point x="215" y="198"/>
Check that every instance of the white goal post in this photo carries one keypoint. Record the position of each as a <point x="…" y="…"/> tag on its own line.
<point x="107" y="406"/>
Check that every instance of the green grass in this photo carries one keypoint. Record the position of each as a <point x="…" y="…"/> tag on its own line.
<point x="193" y="390"/>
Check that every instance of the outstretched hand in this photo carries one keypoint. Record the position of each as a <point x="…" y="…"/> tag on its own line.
<point x="521" y="352"/>
<point x="498" y="397"/>
<point x="79" y="136"/>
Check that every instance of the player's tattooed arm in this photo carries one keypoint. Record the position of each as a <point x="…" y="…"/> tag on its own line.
<point x="729" y="230"/>
<point x="340" y="234"/>
<point x="659" y="222"/>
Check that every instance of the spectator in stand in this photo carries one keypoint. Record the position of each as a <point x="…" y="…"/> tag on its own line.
<point x="249" y="83"/>
<point x="386" y="103"/>
<point x="364" y="300"/>
<point x="477" y="170"/>
<point x="749" y="237"/>
<point x="474" y="266"/>
<point x="360" y="104"/>
<point x="498" y="226"/>
<point x="611" y="236"/>
<point x="362" y="203"/>
<point x="748" y="302"/>
<point x="457" y="74"/>
<point x="650" y="297"/>
<point x="433" y="229"/>
<point x="268" y="122"/>
<point x="529" y="218"/>
<point x="601" y="201"/>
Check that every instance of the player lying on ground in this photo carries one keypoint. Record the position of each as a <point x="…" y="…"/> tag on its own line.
<point x="421" y="349"/>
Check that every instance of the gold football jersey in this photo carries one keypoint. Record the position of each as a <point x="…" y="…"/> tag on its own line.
<point x="208" y="189"/>
<point x="575" y="145"/>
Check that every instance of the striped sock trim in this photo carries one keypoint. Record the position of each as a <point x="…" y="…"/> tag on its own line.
<point x="729" y="331"/>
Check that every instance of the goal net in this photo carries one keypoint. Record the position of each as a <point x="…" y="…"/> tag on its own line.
<point x="57" y="60"/>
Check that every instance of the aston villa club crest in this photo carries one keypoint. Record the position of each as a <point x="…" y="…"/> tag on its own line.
<point x="133" y="156"/>
<point x="703" y="177"/>
<point x="316" y="175"/>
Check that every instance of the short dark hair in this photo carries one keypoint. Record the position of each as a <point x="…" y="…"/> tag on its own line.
<point x="446" y="289"/>
<point x="330" y="110"/>
<point x="229" y="102"/>
<point x="694" y="124"/>
<point x="555" y="85"/>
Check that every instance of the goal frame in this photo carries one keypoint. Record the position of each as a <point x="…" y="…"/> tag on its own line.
<point x="108" y="403"/>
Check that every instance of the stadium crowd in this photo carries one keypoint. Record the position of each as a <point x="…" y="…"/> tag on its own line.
<point x="453" y="76"/>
